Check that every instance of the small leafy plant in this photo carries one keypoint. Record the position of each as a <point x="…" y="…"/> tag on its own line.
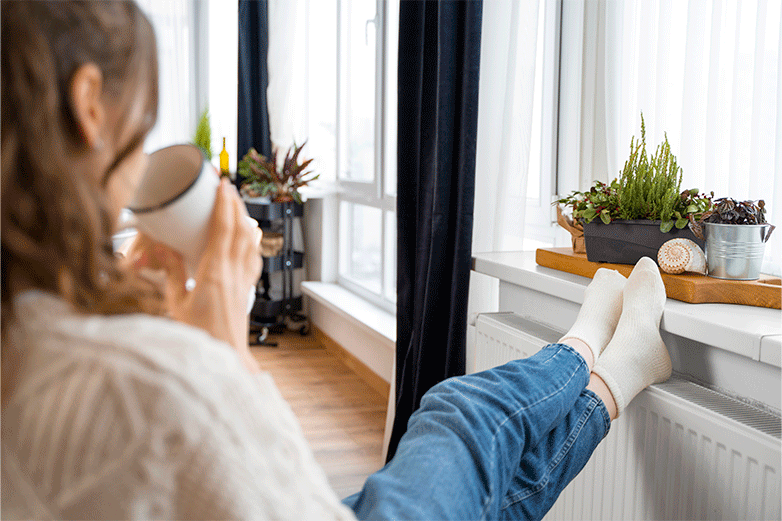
<point x="601" y="201"/>
<point x="203" y="135"/>
<point x="730" y="211"/>
<point x="262" y="177"/>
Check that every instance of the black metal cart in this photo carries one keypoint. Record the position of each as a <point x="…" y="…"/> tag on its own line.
<point x="275" y="312"/>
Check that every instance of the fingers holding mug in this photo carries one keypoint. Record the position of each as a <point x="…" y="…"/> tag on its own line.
<point x="247" y="239"/>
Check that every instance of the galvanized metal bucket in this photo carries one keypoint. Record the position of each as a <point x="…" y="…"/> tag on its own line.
<point x="735" y="251"/>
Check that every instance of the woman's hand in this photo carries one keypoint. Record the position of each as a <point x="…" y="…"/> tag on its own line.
<point x="230" y="266"/>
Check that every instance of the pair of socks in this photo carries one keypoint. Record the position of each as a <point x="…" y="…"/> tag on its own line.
<point x="620" y="322"/>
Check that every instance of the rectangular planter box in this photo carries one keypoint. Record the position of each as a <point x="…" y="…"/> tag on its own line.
<point x="625" y="242"/>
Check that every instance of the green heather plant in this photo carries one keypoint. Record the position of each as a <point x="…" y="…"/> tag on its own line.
<point x="648" y="189"/>
<point x="203" y="134"/>
<point x="262" y="177"/>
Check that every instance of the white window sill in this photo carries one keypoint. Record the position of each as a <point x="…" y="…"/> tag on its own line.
<point x="752" y="332"/>
<point x="372" y="319"/>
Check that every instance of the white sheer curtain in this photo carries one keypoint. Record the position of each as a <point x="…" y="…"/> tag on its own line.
<point x="191" y="35"/>
<point x="222" y="20"/>
<point x="505" y="126"/>
<point x="707" y="73"/>
<point x="176" y="32"/>
<point x="286" y="62"/>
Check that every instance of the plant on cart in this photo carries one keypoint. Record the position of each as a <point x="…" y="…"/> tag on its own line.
<point x="262" y="176"/>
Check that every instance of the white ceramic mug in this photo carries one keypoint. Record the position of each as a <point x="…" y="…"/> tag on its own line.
<point x="175" y="200"/>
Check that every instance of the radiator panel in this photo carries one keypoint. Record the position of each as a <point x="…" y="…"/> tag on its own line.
<point x="679" y="451"/>
<point x="668" y="458"/>
<point x="502" y="337"/>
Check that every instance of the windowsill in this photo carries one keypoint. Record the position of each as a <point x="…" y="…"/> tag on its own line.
<point x="372" y="319"/>
<point x="319" y="190"/>
<point x="753" y="332"/>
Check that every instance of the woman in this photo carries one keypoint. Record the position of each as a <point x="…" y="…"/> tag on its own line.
<point x="124" y="400"/>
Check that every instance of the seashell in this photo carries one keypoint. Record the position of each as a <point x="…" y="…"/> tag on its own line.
<point x="680" y="255"/>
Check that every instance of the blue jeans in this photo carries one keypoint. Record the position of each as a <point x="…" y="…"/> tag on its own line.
<point x="500" y="444"/>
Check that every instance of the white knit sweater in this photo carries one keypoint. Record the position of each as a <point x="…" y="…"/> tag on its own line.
<point x="136" y="417"/>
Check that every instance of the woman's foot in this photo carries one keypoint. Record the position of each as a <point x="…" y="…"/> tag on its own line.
<point x="598" y="316"/>
<point x="636" y="356"/>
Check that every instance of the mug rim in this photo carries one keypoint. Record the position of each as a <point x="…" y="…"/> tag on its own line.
<point x="187" y="188"/>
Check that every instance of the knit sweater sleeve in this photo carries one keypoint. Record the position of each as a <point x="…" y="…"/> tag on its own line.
<point x="137" y="418"/>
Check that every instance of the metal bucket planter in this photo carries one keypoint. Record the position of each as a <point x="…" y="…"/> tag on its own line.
<point x="625" y="242"/>
<point x="735" y="251"/>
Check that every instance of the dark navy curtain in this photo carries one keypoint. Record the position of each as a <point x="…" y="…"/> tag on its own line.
<point x="253" y="116"/>
<point x="439" y="59"/>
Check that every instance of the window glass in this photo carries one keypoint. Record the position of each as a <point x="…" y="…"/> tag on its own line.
<point x="358" y="94"/>
<point x="362" y="262"/>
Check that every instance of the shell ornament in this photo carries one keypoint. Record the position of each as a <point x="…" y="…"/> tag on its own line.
<point x="680" y="255"/>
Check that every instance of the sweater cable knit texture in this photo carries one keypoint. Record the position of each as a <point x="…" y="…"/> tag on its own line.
<point x="137" y="417"/>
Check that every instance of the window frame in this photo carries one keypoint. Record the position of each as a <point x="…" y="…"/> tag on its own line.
<point x="540" y="224"/>
<point x="375" y="193"/>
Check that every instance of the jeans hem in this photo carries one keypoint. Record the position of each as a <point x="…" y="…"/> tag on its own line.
<point x="572" y="350"/>
<point x="595" y="404"/>
<point x="601" y="406"/>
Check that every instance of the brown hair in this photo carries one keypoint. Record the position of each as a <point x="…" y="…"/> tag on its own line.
<point x="56" y="225"/>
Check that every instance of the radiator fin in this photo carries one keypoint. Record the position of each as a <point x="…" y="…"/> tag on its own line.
<point x="741" y="412"/>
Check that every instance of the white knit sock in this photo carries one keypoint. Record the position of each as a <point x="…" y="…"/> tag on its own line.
<point x="600" y="311"/>
<point x="636" y="357"/>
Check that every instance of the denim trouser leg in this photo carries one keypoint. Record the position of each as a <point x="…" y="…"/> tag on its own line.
<point x="547" y="468"/>
<point x="463" y="446"/>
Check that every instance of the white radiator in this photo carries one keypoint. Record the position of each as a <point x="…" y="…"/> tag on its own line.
<point x="680" y="450"/>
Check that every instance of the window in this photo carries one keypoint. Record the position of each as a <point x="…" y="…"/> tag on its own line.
<point x="347" y="113"/>
<point x="706" y="73"/>
<point x="366" y="147"/>
<point x="175" y="25"/>
<point x="517" y="125"/>
<point x="539" y="217"/>
<point x="188" y="84"/>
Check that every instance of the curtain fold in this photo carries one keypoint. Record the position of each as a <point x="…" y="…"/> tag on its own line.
<point x="439" y="58"/>
<point x="252" y="112"/>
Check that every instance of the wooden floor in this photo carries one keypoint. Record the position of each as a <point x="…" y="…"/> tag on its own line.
<point x="342" y="417"/>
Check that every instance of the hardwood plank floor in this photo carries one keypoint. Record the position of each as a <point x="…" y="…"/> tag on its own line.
<point x="342" y="417"/>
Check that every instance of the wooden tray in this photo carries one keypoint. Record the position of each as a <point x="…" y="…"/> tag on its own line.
<point x="692" y="288"/>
